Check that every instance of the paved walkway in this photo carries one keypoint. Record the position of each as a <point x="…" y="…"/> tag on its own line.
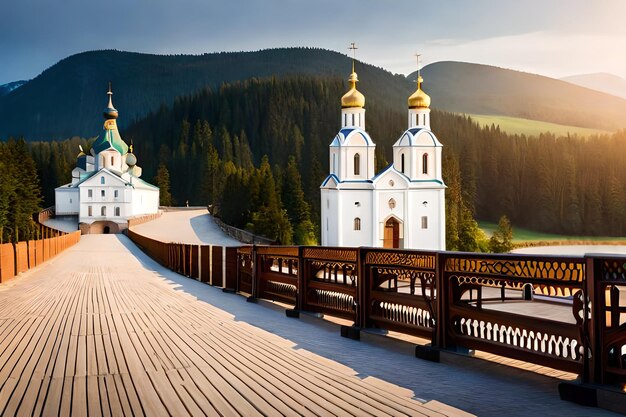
<point x="195" y="227"/>
<point x="102" y="330"/>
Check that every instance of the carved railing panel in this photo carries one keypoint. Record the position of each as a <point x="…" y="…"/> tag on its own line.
<point x="278" y="273"/>
<point x="401" y="291"/>
<point x="480" y="317"/>
<point x="330" y="276"/>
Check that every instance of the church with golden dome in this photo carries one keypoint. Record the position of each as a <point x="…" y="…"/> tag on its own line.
<point x="402" y="206"/>
<point x="106" y="188"/>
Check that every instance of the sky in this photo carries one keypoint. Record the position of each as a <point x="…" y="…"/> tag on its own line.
<point x="556" y="38"/>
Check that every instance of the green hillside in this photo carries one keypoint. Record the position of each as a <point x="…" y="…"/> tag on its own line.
<point x="519" y="126"/>
<point x="482" y="89"/>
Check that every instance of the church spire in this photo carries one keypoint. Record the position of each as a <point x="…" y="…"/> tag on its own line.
<point x="419" y="103"/>
<point x="110" y="112"/>
<point x="353" y="98"/>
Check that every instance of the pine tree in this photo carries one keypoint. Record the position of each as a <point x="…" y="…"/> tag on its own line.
<point x="502" y="239"/>
<point x="162" y="180"/>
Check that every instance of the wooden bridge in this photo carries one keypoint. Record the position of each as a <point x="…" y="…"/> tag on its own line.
<point x="96" y="333"/>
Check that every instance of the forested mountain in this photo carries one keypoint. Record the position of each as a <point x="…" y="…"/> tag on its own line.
<point x="483" y="89"/>
<point x="64" y="100"/>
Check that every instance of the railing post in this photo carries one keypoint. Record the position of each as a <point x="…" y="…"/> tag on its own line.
<point x="594" y="303"/>
<point x="441" y="302"/>
<point x="301" y="280"/>
<point x="255" y="274"/>
<point x="364" y="289"/>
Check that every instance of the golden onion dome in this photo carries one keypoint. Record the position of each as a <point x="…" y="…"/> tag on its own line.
<point x="353" y="98"/>
<point x="419" y="99"/>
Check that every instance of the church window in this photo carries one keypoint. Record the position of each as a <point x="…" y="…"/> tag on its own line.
<point x="353" y="120"/>
<point x="89" y="211"/>
<point x="357" y="164"/>
<point x="101" y="180"/>
<point x="402" y="163"/>
<point x="117" y="211"/>
<point x="89" y="193"/>
<point x="425" y="163"/>
<point x="345" y="119"/>
<point x="357" y="223"/>
<point x="392" y="203"/>
<point x="115" y="193"/>
<point x="424" y="222"/>
<point x="103" y="193"/>
<point x="334" y="164"/>
<point x="112" y="160"/>
<point x="103" y="211"/>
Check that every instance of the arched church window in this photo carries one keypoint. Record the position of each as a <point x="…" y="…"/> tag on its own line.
<point x="112" y="160"/>
<point x="101" y="180"/>
<point x="392" y="203"/>
<point x="425" y="163"/>
<point x="357" y="223"/>
<point x="103" y="211"/>
<point x="357" y="164"/>
<point x="424" y="222"/>
<point x="402" y="163"/>
<point x="117" y="211"/>
<point x="353" y="120"/>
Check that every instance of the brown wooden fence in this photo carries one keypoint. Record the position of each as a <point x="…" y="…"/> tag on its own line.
<point x="567" y="313"/>
<point x="206" y="263"/>
<point x="22" y="256"/>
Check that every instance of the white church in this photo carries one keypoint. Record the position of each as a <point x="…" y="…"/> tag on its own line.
<point x="106" y="188"/>
<point x="401" y="207"/>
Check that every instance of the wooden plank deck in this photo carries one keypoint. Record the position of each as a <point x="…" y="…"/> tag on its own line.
<point x="96" y="333"/>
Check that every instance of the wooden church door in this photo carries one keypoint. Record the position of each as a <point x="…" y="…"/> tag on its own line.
<point x="392" y="234"/>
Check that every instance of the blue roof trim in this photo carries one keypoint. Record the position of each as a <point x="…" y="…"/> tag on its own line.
<point x="328" y="179"/>
<point x="412" y="133"/>
<point x="437" y="181"/>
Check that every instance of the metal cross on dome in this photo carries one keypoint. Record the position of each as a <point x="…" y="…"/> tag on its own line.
<point x="353" y="47"/>
<point x="417" y="57"/>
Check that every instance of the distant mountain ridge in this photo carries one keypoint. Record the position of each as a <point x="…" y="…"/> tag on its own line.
<point x="482" y="89"/>
<point x="66" y="99"/>
<point x="8" y="87"/>
<point x="601" y="81"/>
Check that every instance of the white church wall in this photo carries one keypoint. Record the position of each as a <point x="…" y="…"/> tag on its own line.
<point x="355" y="204"/>
<point x="428" y="204"/>
<point x="144" y="201"/>
<point x="66" y="201"/>
<point x="330" y="219"/>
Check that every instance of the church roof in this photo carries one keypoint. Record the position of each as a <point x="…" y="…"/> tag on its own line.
<point x="418" y="136"/>
<point x="110" y="139"/>
<point x="345" y="135"/>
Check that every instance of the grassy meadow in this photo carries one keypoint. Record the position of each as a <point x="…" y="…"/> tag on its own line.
<point x="515" y="125"/>
<point x="524" y="237"/>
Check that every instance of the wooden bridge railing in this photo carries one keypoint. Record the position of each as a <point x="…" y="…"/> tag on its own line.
<point x="19" y="257"/>
<point x="564" y="312"/>
<point x="567" y="313"/>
